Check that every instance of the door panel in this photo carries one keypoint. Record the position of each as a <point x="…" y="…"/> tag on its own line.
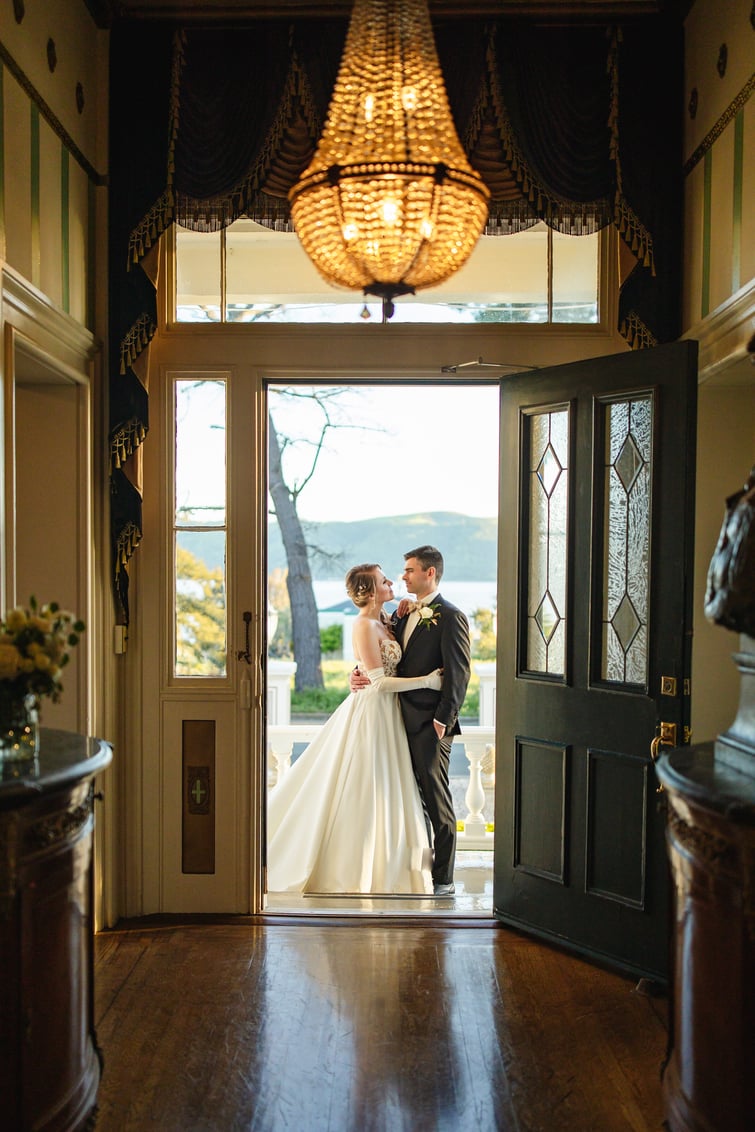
<point x="597" y="482"/>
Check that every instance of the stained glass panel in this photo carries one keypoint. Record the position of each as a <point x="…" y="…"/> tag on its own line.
<point x="548" y="442"/>
<point x="626" y="585"/>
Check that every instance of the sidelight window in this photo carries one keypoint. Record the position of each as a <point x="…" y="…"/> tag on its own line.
<point x="199" y="528"/>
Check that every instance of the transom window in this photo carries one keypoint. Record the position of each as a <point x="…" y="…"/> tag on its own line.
<point x="249" y="273"/>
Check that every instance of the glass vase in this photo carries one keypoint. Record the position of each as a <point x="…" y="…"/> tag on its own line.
<point x="19" y="728"/>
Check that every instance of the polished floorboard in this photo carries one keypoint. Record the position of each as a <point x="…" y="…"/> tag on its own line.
<point x="356" y="1024"/>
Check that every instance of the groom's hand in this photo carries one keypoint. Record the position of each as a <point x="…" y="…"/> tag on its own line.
<point x="357" y="680"/>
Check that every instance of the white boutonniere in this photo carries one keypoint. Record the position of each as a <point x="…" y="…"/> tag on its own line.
<point x="429" y="615"/>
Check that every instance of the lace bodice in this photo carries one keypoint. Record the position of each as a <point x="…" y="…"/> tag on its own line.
<point x="390" y="651"/>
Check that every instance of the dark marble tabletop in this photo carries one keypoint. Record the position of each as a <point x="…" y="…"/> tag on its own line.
<point x="64" y="758"/>
<point x="696" y="773"/>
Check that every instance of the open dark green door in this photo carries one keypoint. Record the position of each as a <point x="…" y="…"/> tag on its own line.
<point x="594" y="624"/>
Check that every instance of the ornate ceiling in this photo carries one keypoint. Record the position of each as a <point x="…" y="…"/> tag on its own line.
<point x="106" y="12"/>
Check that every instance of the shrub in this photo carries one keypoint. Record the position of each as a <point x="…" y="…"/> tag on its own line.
<point x="331" y="639"/>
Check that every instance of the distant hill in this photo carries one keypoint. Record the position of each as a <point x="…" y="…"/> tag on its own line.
<point x="468" y="544"/>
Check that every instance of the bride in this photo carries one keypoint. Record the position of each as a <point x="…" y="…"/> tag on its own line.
<point x="347" y="817"/>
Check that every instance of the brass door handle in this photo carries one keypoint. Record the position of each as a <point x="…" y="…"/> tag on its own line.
<point x="666" y="737"/>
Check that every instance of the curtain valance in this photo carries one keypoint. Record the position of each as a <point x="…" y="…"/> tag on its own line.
<point x="534" y="107"/>
<point x="579" y="126"/>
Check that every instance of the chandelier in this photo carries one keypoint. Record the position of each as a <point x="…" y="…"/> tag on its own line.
<point x="389" y="202"/>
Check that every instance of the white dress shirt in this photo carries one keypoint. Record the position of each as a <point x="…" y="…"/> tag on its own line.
<point x="413" y="619"/>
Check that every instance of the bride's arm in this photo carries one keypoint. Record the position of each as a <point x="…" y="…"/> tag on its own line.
<point x="384" y="683"/>
<point x="366" y="641"/>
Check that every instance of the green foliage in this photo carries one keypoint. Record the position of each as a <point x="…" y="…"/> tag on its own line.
<point x="200" y="617"/>
<point x="331" y="638"/>
<point x="324" y="701"/>
<point x="484" y="640"/>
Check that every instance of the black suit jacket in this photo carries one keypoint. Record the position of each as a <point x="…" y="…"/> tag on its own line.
<point x="443" y="645"/>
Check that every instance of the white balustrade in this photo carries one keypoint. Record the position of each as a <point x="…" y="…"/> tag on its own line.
<point x="279" y="673"/>
<point x="480" y="752"/>
<point x="485" y="671"/>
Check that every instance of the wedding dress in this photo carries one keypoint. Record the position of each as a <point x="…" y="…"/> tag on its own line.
<point x="347" y="816"/>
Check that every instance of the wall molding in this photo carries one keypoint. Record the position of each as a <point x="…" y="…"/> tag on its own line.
<point x="55" y="124"/>
<point x="725" y="120"/>
<point x="51" y="337"/>
<point x="723" y="338"/>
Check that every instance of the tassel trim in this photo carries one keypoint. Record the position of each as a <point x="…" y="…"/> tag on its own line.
<point x="149" y="230"/>
<point x="634" y="233"/>
<point x="549" y="207"/>
<point x="128" y="540"/>
<point x="628" y="224"/>
<point x="247" y="197"/>
<point x="125" y="441"/>
<point x="160" y="216"/>
<point x="137" y="339"/>
<point x="636" y="333"/>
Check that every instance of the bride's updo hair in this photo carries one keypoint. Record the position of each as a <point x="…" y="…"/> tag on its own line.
<point x="361" y="583"/>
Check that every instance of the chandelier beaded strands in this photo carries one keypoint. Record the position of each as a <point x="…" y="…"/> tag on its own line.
<point x="389" y="203"/>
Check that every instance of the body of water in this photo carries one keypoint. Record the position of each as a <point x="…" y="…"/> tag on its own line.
<point x="467" y="595"/>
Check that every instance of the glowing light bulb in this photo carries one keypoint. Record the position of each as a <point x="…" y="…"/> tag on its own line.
<point x="426" y="229"/>
<point x="349" y="231"/>
<point x="390" y="210"/>
<point x="369" y="107"/>
<point x="409" y="99"/>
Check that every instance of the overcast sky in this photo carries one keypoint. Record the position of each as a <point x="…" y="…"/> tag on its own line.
<point x="426" y="449"/>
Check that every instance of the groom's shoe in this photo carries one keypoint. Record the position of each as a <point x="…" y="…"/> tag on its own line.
<point x="444" y="889"/>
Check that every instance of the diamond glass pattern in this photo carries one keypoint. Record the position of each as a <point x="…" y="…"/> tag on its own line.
<point x="547" y="618"/>
<point x="626" y="623"/>
<point x="629" y="463"/>
<point x="549" y="470"/>
<point x="547" y="435"/>
<point x="626" y="539"/>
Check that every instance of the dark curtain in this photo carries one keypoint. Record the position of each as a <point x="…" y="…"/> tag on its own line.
<point x="651" y="116"/>
<point x="579" y="126"/>
<point x="139" y="200"/>
<point x="250" y="108"/>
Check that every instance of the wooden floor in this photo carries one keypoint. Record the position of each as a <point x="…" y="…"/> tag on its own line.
<point x="360" y="1026"/>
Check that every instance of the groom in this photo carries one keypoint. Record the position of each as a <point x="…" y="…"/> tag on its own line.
<point x="435" y="635"/>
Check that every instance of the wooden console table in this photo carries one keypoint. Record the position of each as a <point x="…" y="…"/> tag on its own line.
<point x="709" y="1084"/>
<point x="49" y="1061"/>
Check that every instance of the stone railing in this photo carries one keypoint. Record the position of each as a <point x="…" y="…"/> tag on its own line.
<point x="472" y="774"/>
<point x="280" y="674"/>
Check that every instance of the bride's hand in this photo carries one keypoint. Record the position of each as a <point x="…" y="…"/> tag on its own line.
<point x="435" y="680"/>
<point x="403" y="607"/>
